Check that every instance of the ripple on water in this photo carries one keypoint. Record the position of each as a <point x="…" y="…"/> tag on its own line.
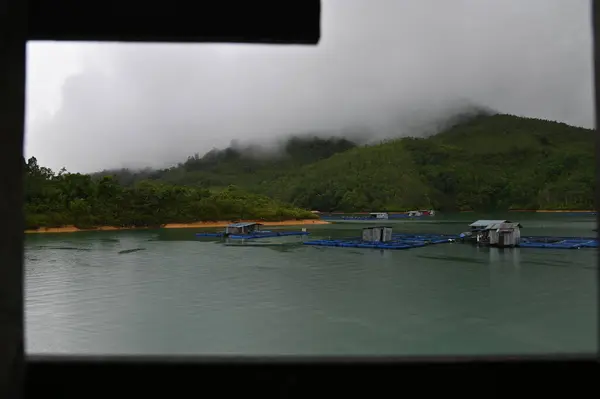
<point x="120" y="292"/>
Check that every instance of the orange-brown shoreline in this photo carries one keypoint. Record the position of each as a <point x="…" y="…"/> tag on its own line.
<point x="551" y="211"/>
<point x="510" y="210"/>
<point x="73" y="229"/>
<point x="543" y="211"/>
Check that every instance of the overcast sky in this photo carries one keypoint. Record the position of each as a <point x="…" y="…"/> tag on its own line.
<point x="385" y="65"/>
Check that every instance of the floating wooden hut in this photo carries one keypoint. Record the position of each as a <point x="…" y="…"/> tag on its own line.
<point x="242" y="228"/>
<point x="377" y="234"/>
<point x="500" y="233"/>
<point x="504" y="235"/>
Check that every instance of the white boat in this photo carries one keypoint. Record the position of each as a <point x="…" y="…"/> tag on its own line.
<point x="430" y="212"/>
<point x="379" y="215"/>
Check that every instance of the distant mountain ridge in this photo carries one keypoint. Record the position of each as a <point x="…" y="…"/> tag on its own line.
<point x="480" y="162"/>
<point x="239" y="164"/>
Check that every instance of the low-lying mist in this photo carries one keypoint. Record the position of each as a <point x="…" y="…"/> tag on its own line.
<point x="316" y="145"/>
<point x="418" y="124"/>
<point x="382" y="69"/>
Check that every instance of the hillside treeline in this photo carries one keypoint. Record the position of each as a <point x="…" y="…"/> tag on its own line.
<point x="61" y="199"/>
<point x="486" y="162"/>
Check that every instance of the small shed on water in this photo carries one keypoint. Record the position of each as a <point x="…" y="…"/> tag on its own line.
<point x="243" y="228"/>
<point x="504" y="234"/>
<point x="377" y="234"/>
<point x="487" y="231"/>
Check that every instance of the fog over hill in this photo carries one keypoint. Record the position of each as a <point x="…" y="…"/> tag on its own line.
<point x="383" y="68"/>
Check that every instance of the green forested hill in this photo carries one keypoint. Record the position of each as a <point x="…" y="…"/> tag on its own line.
<point x="489" y="162"/>
<point x="240" y="166"/>
<point x="483" y="163"/>
<point x="61" y="199"/>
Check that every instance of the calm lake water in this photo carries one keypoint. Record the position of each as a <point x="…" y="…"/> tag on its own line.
<point x="167" y="292"/>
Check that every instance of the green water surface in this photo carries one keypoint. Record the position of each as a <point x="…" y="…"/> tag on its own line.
<point x="167" y="292"/>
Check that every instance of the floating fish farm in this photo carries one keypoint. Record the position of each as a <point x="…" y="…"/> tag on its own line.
<point x="559" y="242"/>
<point x="398" y="241"/>
<point x="408" y="241"/>
<point x="497" y="233"/>
<point x="217" y="235"/>
<point x="255" y="235"/>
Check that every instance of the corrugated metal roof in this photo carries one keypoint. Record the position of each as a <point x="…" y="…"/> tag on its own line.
<point x="244" y="224"/>
<point x="485" y="223"/>
<point x="498" y="226"/>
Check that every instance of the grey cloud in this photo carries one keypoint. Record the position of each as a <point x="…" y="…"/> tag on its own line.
<point x="392" y="66"/>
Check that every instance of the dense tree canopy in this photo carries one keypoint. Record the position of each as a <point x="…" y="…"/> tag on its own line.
<point x="54" y="200"/>
<point x="488" y="163"/>
<point x="485" y="162"/>
<point x="241" y="166"/>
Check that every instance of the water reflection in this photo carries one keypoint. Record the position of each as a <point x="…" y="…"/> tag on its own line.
<point x="494" y="254"/>
<point x="516" y="258"/>
<point x="510" y="256"/>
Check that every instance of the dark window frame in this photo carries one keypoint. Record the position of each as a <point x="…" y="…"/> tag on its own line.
<point x="282" y="22"/>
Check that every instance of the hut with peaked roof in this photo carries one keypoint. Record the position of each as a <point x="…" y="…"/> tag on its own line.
<point x="479" y="232"/>
<point x="486" y="231"/>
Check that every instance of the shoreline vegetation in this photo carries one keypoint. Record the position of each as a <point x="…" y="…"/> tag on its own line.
<point x="201" y="225"/>
<point x="63" y="202"/>
<point x="478" y="163"/>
